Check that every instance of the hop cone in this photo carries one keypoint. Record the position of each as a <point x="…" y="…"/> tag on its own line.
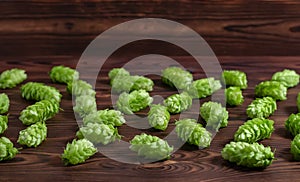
<point x="214" y="114"/>
<point x="177" y="77"/>
<point x="4" y="103"/>
<point x="3" y="123"/>
<point x="254" y="130"/>
<point x="192" y="132"/>
<point x="109" y="117"/>
<point x="134" y="101"/>
<point x="292" y="124"/>
<point x="7" y="149"/>
<point x="98" y="133"/>
<point x="273" y="89"/>
<point x="203" y="87"/>
<point x="249" y="155"/>
<point x="130" y="83"/>
<point x="85" y="105"/>
<point x="295" y="147"/>
<point x="63" y="74"/>
<point x="151" y="147"/>
<point x="117" y="72"/>
<point x="235" y="78"/>
<point x="33" y="135"/>
<point x="261" y="107"/>
<point x="40" y="111"/>
<point x="39" y="91"/>
<point x="80" y="87"/>
<point x="78" y="152"/>
<point x="158" y="117"/>
<point x="289" y="78"/>
<point x="234" y="96"/>
<point x="178" y="102"/>
<point x="11" y="78"/>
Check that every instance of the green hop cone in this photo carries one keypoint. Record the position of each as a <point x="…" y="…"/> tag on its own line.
<point x="253" y="155"/>
<point x="117" y="72"/>
<point x="193" y="133"/>
<point x="295" y="147"/>
<point x="130" y="83"/>
<point x="137" y="100"/>
<point x="33" y="135"/>
<point x="289" y="78"/>
<point x="178" y="102"/>
<point x="7" y="149"/>
<point x="234" y="96"/>
<point x="98" y="133"/>
<point x="85" y="105"/>
<point x="39" y="91"/>
<point x="63" y="74"/>
<point x="261" y="107"/>
<point x="78" y="152"/>
<point x="292" y="124"/>
<point x="80" y="87"/>
<point x="235" y="78"/>
<point x="4" y="103"/>
<point x="106" y="116"/>
<point x="298" y="102"/>
<point x="3" y="123"/>
<point x="38" y="112"/>
<point x="214" y="114"/>
<point x="273" y="89"/>
<point x="158" y="117"/>
<point x="11" y="78"/>
<point x="177" y="77"/>
<point x="203" y="87"/>
<point x="151" y="147"/>
<point x="254" y="130"/>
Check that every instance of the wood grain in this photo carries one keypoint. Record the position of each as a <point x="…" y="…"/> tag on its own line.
<point x="188" y="163"/>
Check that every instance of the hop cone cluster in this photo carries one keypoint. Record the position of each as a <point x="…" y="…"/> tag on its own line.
<point x="203" y="87"/>
<point x="39" y="91"/>
<point x="38" y="112"/>
<point x="80" y="87"/>
<point x="235" y="78"/>
<point x="11" y="78"/>
<point x="78" y="152"/>
<point x="7" y="149"/>
<point x="117" y="72"/>
<point x="273" y="89"/>
<point x="151" y="147"/>
<point x="106" y="116"/>
<point x="63" y="74"/>
<point x="295" y="147"/>
<point x="158" y="117"/>
<point x="3" y="123"/>
<point x="289" y="78"/>
<point x="178" y="102"/>
<point x="177" y="77"/>
<point x="193" y="133"/>
<point x="261" y="107"/>
<point x="249" y="155"/>
<point x="234" y="96"/>
<point x="130" y="83"/>
<point x="134" y="101"/>
<point x="254" y="130"/>
<point x="4" y="103"/>
<point x="292" y="124"/>
<point x="33" y="135"/>
<point x="85" y="105"/>
<point x="98" y="133"/>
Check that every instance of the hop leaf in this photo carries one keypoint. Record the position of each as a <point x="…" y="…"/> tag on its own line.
<point x="130" y="83"/>
<point x="292" y="124"/>
<point x="33" y="135"/>
<point x="4" y="103"/>
<point x="177" y="77"/>
<point x="203" y="87"/>
<point x="214" y="114"/>
<point x="39" y="91"/>
<point x="261" y="107"/>
<point x="272" y="89"/>
<point x="295" y="147"/>
<point x="254" y="130"/>
<point x="3" y="124"/>
<point x="298" y="102"/>
<point x="63" y="74"/>
<point x="178" y="102"/>
<point x="134" y="101"/>
<point x="158" y="117"/>
<point x="288" y="78"/>
<point x="193" y="133"/>
<point x="117" y="72"/>
<point x="249" y="155"/>
<point x="108" y="117"/>
<point x="234" y="96"/>
<point x="7" y="149"/>
<point x="98" y="133"/>
<point x="235" y="78"/>
<point x="151" y="147"/>
<point x="11" y="78"/>
<point x="80" y="87"/>
<point x="85" y="105"/>
<point x="78" y="152"/>
<point x="40" y="111"/>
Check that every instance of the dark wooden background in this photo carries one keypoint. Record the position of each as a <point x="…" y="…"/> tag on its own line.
<point x="258" y="37"/>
